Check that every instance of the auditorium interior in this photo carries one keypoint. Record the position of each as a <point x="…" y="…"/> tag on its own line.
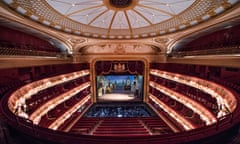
<point x="120" y="71"/>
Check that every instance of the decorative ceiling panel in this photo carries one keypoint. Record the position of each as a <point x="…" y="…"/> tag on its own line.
<point x="120" y="19"/>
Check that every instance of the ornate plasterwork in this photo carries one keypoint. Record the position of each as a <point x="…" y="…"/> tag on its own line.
<point x="77" y="41"/>
<point x="161" y="40"/>
<point x="120" y="49"/>
<point x="105" y="21"/>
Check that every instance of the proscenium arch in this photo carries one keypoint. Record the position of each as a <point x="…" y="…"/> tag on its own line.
<point x="93" y="72"/>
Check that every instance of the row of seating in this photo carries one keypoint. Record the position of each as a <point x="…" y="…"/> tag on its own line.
<point x="205" y="99"/>
<point x="84" y="125"/>
<point x="61" y="69"/>
<point x="16" y="51"/>
<point x="220" y="50"/>
<point x="21" y="46"/>
<point x="227" y="83"/>
<point x="120" y="127"/>
<point x="156" y="125"/>
<point x="172" y="120"/>
<point x="60" y="109"/>
<point x="182" y="110"/>
<point x="54" y="134"/>
<point x="47" y="94"/>
<point x="219" y="39"/>
<point x="10" y="86"/>
<point x="182" y="88"/>
<point x="191" y="92"/>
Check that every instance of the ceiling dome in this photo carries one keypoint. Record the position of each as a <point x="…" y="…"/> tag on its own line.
<point x="120" y="14"/>
<point x="120" y="19"/>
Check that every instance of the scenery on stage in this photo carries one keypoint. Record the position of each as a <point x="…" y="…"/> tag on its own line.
<point x="119" y="88"/>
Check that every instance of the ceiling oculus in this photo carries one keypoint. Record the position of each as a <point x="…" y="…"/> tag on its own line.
<point x="120" y="3"/>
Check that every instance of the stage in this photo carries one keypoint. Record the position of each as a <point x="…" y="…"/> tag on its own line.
<point x="118" y="97"/>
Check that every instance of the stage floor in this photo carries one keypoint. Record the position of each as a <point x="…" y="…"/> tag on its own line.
<point x="118" y="97"/>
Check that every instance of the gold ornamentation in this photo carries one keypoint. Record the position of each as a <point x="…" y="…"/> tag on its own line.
<point x="76" y="41"/>
<point x="161" y="40"/>
<point x="56" y="20"/>
<point x="118" y="67"/>
<point x="120" y="49"/>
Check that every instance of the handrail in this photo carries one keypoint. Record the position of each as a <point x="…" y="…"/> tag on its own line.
<point x="23" y="46"/>
<point x="29" y="128"/>
<point x="25" y="52"/>
<point x="62" y="137"/>
<point x="216" y="51"/>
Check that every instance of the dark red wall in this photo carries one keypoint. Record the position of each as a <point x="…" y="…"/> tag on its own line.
<point x="225" y="74"/>
<point x="11" y="76"/>
<point x="218" y="39"/>
<point x="18" y="39"/>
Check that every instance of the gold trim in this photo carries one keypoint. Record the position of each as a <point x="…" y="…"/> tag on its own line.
<point x="189" y="14"/>
<point x="96" y="17"/>
<point x="14" y="5"/>
<point x="162" y="11"/>
<point x="145" y="73"/>
<point x="142" y="16"/>
<point x="129" y="23"/>
<point x="72" y="13"/>
<point x="110" y="26"/>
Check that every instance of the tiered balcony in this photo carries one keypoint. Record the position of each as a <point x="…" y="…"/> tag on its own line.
<point x="8" y="48"/>
<point x="53" y="114"/>
<point x="191" y="92"/>
<point x="47" y="94"/>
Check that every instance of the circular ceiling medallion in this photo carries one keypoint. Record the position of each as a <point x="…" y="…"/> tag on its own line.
<point x="120" y="3"/>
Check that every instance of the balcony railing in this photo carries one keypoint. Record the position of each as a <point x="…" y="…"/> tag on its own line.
<point x="229" y="50"/>
<point x="20" y="52"/>
<point x="17" y="49"/>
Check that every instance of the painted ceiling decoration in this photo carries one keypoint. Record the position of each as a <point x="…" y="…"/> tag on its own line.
<point x="120" y="48"/>
<point x="120" y="19"/>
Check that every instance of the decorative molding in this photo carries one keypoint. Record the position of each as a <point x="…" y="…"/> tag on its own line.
<point x="120" y="48"/>
<point x="161" y="40"/>
<point x="43" y="13"/>
<point x="77" y="41"/>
